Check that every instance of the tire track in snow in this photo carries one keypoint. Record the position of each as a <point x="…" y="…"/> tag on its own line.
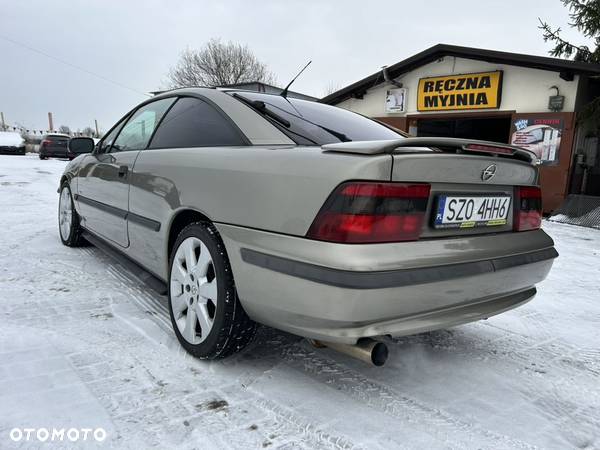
<point x="147" y="303"/>
<point x="308" y="432"/>
<point x="450" y="430"/>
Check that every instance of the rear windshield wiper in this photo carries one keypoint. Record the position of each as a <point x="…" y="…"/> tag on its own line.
<point x="339" y="135"/>
<point x="262" y="107"/>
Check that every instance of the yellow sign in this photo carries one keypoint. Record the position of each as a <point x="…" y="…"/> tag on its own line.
<point x="468" y="91"/>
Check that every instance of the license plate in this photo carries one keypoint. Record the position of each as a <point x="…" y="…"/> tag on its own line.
<point x="470" y="212"/>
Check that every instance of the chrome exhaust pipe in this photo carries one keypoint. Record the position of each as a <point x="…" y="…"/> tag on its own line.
<point x="366" y="349"/>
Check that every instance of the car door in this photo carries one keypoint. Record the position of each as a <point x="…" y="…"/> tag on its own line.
<point x="166" y="177"/>
<point x="103" y="184"/>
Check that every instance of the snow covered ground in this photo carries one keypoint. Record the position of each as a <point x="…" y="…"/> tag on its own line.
<point x="85" y="345"/>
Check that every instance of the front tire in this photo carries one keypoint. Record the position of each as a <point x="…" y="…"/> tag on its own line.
<point x="206" y="314"/>
<point x="68" y="219"/>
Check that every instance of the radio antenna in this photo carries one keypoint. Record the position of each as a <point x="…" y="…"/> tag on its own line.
<point x="285" y="91"/>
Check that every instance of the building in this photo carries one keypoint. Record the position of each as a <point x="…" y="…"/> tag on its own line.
<point x="525" y="100"/>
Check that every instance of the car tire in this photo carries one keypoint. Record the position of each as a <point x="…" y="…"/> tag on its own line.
<point x="69" y="228"/>
<point x="208" y="299"/>
<point x="42" y="157"/>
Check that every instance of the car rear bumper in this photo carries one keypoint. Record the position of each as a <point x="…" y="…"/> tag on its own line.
<point x="341" y="292"/>
<point x="8" y="150"/>
<point x="54" y="153"/>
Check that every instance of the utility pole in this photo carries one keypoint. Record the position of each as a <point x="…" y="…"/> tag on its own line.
<point x="50" y="123"/>
<point x="2" y="123"/>
<point x="97" y="133"/>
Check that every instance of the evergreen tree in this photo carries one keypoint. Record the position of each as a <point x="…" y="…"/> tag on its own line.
<point x="585" y="17"/>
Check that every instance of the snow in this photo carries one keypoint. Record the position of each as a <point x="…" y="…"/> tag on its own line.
<point x="84" y="344"/>
<point x="11" y="139"/>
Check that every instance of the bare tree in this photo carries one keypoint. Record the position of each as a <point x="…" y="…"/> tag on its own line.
<point x="332" y="87"/>
<point x="64" y="129"/>
<point x="217" y="64"/>
<point x="88" y="131"/>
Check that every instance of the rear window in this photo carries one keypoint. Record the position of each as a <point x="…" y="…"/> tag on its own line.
<point x="57" y="138"/>
<point x="313" y="123"/>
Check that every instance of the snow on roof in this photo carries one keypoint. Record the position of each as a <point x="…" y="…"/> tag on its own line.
<point x="11" y="139"/>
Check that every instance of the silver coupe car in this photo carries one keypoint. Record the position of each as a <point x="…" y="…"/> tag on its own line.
<point x="249" y="208"/>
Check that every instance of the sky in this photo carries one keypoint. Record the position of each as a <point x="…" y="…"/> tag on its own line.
<point x="135" y="43"/>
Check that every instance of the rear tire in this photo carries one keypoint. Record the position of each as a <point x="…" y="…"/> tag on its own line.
<point x="69" y="228"/>
<point x="207" y="316"/>
<point x="42" y="157"/>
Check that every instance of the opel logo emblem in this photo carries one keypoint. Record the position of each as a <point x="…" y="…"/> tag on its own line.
<point x="489" y="172"/>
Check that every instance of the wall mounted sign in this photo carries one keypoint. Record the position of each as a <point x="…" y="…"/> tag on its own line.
<point x="459" y="92"/>
<point x="556" y="102"/>
<point x="540" y="135"/>
<point x="395" y="100"/>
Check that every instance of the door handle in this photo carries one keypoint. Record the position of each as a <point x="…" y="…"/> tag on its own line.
<point x="123" y="170"/>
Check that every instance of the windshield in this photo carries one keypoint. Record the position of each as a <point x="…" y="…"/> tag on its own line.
<point x="312" y="123"/>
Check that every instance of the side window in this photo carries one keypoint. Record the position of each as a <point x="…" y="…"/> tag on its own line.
<point x="194" y="123"/>
<point x="139" y="128"/>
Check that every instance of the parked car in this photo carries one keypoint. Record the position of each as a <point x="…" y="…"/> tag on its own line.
<point x="250" y="208"/>
<point x="11" y="143"/>
<point x="54" y="145"/>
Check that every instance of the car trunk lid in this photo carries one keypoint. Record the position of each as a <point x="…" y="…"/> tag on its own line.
<point x="464" y="175"/>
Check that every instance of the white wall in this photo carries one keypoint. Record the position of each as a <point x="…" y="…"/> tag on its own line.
<point x="523" y="89"/>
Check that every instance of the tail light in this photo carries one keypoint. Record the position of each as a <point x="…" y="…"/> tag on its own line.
<point x="528" y="208"/>
<point x="365" y="212"/>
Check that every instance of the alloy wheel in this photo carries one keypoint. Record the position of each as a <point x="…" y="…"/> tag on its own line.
<point x="65" y="213"/>
<point x="193" y="288"/>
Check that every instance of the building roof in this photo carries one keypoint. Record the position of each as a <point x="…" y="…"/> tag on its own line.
<point x="565" y="67"/>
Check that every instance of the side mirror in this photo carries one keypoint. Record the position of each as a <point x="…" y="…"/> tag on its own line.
<point x="79" y="145"/>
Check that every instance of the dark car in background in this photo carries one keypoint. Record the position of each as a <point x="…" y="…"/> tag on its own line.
<point x="11" y="143"/>
<point x="54" y="145"/>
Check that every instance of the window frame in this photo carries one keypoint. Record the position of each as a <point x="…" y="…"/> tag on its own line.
<point x="123" y="121"/>
<point x="133" y="112"/>
<point x="215" y="107"/>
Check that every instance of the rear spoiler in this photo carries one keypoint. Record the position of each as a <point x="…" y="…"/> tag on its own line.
<point x="432" y="144"/>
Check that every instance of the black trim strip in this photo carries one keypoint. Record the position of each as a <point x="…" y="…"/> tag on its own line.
<point x="154" y="225"/>
<point x="102" y="206"/>
<point x="392" y="278"/>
